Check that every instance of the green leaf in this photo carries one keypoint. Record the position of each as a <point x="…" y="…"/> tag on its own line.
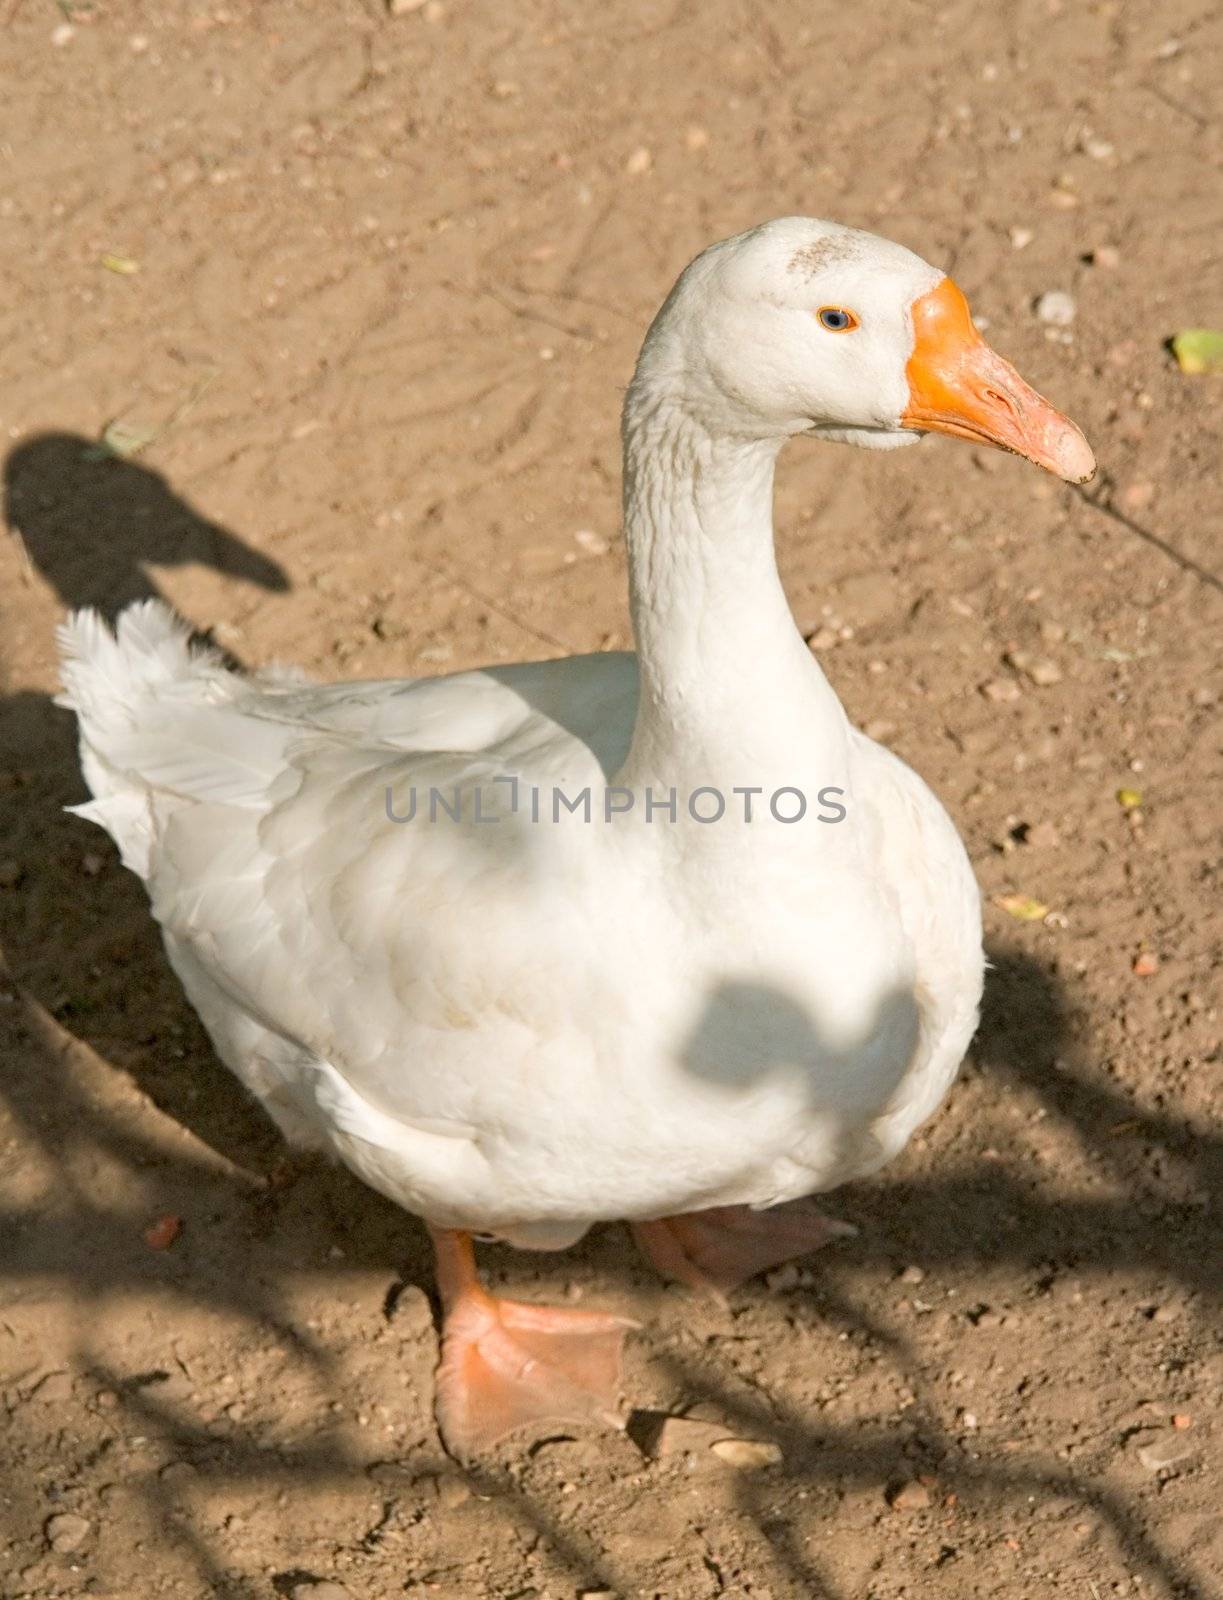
<point x="1198" y="350"/>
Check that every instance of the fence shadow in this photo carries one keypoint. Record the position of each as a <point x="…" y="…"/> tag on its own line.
<point x="983" y="1215"/>
<point x="91" y="1021"/>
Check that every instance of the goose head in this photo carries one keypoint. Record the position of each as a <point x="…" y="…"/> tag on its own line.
<point x="808" y="327"/>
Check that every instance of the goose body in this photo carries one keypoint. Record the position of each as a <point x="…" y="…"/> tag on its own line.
<point x="673" y="996"/>
<point x="520" y="1026"/>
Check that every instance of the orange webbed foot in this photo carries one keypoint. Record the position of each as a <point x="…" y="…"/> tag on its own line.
<point x="506" y="1364"/>
<point x="715" y="1251"/>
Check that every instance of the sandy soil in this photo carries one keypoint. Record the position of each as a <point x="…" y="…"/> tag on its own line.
<point x="391" y="277"/>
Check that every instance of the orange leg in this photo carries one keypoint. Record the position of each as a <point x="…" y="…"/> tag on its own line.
<point x="715" y="1251"/>
<point x="506" y="1364"/>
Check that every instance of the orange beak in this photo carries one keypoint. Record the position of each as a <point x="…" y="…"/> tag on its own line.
<point x="958" y="385"/>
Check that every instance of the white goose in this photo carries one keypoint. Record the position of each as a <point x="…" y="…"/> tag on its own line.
<point x="742" y="977"/>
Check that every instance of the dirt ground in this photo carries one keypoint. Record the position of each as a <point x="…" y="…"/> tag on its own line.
<point x="391" y="273"/>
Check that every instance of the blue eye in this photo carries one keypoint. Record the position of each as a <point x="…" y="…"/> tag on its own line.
<point x="836" y="319"/>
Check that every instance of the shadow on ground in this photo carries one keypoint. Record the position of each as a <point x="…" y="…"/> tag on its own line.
<point x="93" y="524"/>
<point x="66" y="1031"/>
<point x="89" y="1012"/>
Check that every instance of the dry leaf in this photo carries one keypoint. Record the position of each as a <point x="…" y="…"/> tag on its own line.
<point x="120" y="440"/>
<point x="1022" y="906"/>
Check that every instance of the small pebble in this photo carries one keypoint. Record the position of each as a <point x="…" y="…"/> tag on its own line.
<point x="640" y="161"/>
<point x="696" y="138"/>
<point x="1021" y="238"/>
<point x="1137" y="496"/>
<point x="1146" y="964"/>
<point x="1057" y="308"/>
<point x="787" y="1276"/>
<point x="63" y="35"/>
<point x="1040" y="670"/>
<point x="912" y="1496"/>
<point x="388" y="628"/>
<point x="747" y="1455"/>
<point x="452" y="1493"/>
<point x="912" y="1275"/>
<point x="1164" y="1450"/>
<point x="67" y="1532"/>
<point x="162" y="1233"/>
<point x="661" y="1436"/>
<point x="319" y="1591"/>
<point x="589" y="540"/>
<point x="1106" y="256"/>
<point x="1042" y="836"/>
<point x="999" y="689"/>
<point x="402" y="8"/>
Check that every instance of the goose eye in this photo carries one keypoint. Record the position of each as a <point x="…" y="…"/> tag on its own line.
<point x="836" y="319"/>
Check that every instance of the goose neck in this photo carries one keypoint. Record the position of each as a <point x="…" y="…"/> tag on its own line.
<point x="725" y="677"/>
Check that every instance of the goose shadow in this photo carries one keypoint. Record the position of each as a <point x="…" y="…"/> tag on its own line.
<point x="94" y="524"/>
<point x="73" y="925"/>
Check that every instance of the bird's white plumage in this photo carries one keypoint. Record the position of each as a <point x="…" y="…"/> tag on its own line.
<point x="525" y="1026"/>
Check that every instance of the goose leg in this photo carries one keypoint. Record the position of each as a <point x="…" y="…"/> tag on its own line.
<point x="505" y="1364"/>
<point x="715" y="1251"/>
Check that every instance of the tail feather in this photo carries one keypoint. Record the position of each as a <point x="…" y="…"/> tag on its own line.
<point x="103" y="671"/>
<point x="160" y="718"/>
